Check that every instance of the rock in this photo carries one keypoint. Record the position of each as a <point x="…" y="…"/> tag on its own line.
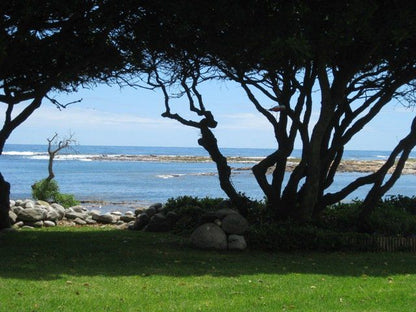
<point x="79" y="209"/>
<point x="12" y="217"/>
<point x="18" y="224"/>
<point x="141" y="221"/>
<point x="18" y="202"/>
<point x="158" y="223"/>
<point x="234" y="224"/>
<point x="94" y="212"/>
<point x="129" y="213"/>
<point x="116" y="213"/>
<point x="16" y="209"/>
<point x="157" y="206"/>
<point x="105" y="218"/>
<point x="127" y="218"/>
<point x="90" y="221"/>
<point x="42" y="203"/>
<point x="209" y="236"/>
<point x="222" y="213"/>
<point x="236" y="242"/>
<point x="52" y="215"/>
<point x="71" y="215"/>
<point x="139" y="211"/>
<point x="12" y="203"/>
<point x="130" y="225"/>
<point x="29" y="204"/>
<point x="151" y="211"/>
<point x="36" y="224"/>
<point x="172" y="217"/>
<point x="49" y="223"/>
<point x="31" y="214"/>
<point x="79" y="221"/>
<point x="27" y="227"/>
<point x="59" y="209"/>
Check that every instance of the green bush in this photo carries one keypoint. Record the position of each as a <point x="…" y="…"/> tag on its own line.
<point x="66" y="200"/>
<point x="48" y="190"/>
<point x="45" y="190"/>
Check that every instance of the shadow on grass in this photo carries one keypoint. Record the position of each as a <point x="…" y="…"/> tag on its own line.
<point x="49" y="254"/>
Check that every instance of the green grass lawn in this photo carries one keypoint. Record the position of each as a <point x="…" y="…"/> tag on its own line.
<point x="93" y="269"/>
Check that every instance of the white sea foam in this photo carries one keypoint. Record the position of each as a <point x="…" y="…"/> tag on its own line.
<point x="15" y="153"/>
<point x="170" y="176"/>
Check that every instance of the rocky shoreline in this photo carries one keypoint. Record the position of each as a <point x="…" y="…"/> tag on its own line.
<point x="364" y="166"/>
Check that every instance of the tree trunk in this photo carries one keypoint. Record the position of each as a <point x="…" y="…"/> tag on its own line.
<point x="209" y="142"/>
<point x="50" y="167"/>
<point x="4" y="203"/>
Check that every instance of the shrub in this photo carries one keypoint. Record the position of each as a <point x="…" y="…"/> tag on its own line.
<point x="66" y="200"/>
<point x="45" y="190"/>
<point x="48" y="190"/>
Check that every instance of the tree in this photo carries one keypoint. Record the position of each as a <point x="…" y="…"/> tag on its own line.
<point x="55" y="145"/>
<point x="52" y="47"/>
<point x="345" y="59"/>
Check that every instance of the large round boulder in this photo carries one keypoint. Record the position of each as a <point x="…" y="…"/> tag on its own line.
<point x="209" y="236"/>
<point x="234" y="224"/>
<point x="31" y="214"/>
<point x="236" y="242"/>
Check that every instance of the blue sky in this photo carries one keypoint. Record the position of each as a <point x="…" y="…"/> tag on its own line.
<point x="132" y="117"/>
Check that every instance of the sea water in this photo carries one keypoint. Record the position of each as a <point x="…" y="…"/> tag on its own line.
<point x="127" y="184"/>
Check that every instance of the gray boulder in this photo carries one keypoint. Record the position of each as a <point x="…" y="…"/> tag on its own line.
<point x="80" y="221"/>
<point x="48" y="223"/>
<point x="28" y="204"/>
<point x="236" y="242"/>
<point x="12" y="203"/>
<point x="52" y="215"/>
<point x="18" y="224"/>
<point x="42" y="203"/>
<point x="127" y="218"/>
<point x="71" y="215"/>
<point x="59" y="209"/>
<point x="157" y="206"/>
<point x="12" y="217"/>
<point x="234" y="224"/>
<point x="151" y="211"/>
<point x="79" y="209"/>
<point x="209" y="236"/>
<point x="107" y="218"/>
<point x="158" y="223"/>
<point x="139" y="211"/>
<point x="141" y="221"/>
<point x="222" y="213"/>
<point x="90" y="220"/>
<point x="36" y="224"/>
<point x="31" y="214"/>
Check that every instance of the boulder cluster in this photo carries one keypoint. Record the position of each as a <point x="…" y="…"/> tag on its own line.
<point x="29" y="213"/>
<point x="220" y="230"/>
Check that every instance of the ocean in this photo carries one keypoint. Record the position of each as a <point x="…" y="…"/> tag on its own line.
<point x="124" y="177"/>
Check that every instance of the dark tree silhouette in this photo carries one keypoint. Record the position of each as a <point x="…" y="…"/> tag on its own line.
<point x="346" y="60"/>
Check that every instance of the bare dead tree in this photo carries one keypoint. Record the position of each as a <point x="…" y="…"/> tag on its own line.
<point x="55" y="145"/>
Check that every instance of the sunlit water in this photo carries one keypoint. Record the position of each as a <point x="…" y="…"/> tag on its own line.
<point x="124" y="185"/>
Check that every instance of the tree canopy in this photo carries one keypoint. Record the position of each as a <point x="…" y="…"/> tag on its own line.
<point x="345" y="59"/>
